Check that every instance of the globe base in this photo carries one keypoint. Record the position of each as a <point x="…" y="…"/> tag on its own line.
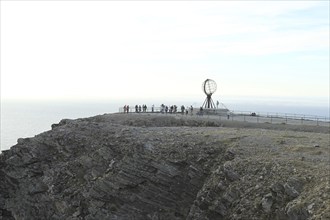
<point x="208" y="103"/>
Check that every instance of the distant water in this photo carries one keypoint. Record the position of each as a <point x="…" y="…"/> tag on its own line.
<point x="20" y="120"/>
<point x="27" y="119"/>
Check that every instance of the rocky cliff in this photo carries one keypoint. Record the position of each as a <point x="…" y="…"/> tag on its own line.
<point x="135" y="166"/>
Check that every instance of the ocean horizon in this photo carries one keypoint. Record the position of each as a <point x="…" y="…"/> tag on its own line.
<point x="27" y="119"/>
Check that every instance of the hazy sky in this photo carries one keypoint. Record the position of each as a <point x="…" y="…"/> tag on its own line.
<point x="145" y="49"/>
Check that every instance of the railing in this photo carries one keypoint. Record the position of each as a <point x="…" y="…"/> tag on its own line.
<point x="284" y="117"/>
<point x="245" y="116"/>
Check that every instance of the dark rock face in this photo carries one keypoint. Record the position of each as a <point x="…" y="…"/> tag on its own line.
<point x="128" y="167"/>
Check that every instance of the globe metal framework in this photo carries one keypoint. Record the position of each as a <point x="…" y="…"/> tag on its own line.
<point x="209" y="87"/>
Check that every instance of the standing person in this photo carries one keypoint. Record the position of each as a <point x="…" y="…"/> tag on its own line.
<point x="162" y="107"/>
<point x="136" y="108"/>
<point x="182" y="109"/>
<point x="127" y="109"/>
<point x="166" y="109"/>
<point x="152" y="108"/>
<point x="124" y="108"/>
<point x="139" y="108"/>
<point x="191" y="110"/>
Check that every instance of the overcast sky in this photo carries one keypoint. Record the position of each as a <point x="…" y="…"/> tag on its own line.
<point x="164" y="49"/>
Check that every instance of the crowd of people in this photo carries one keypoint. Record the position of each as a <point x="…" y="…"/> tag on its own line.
<point x="174" y="109"/>
<point x="138" y="108"/>
<point x="163" y="109"/>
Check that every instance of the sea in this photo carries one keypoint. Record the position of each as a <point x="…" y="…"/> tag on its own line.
<point x="22" y="119"/>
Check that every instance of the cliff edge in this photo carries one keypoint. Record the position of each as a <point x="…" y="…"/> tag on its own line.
<point x="132" y="166"/>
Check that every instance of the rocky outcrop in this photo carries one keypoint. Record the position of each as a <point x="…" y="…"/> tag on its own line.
<point x="156" y="167"/>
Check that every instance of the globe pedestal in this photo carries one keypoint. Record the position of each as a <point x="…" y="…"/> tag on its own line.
<point x="208" y="103"/>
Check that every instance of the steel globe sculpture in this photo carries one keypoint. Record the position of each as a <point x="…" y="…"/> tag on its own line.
<point x="209" y="87"/>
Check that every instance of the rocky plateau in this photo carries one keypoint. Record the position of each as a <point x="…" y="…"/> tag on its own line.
<point x="152" y="166"/>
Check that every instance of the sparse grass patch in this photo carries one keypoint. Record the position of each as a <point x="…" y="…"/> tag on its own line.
<point x="319" y="152"/>
<point x="304" y="149"/>
<point x="292" y="136"/>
